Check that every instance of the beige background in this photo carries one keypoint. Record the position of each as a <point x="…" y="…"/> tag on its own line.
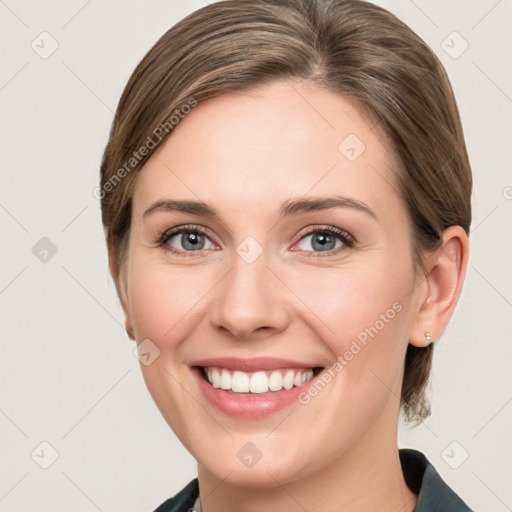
<point x="68" y="376"/>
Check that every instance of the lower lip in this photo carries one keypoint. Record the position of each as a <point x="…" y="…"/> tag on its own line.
<point x="249" y="405"/>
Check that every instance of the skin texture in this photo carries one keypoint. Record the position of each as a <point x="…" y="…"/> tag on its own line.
<point x="246" y="154"/>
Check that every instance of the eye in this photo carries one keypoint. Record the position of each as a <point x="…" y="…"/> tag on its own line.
<point x="185" y="239"/>
<point x="327" y="239"/>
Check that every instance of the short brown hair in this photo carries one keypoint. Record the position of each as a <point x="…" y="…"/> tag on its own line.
<point x="351" y="47"/>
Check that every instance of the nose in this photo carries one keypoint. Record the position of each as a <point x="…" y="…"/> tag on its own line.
<point x="250" y="301"/>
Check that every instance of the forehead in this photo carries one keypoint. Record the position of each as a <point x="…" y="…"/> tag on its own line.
<point x="252" y="149"/>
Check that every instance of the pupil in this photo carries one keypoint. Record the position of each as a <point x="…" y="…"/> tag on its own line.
<point x="325" y="242"/>
<point x="193" y="241"/>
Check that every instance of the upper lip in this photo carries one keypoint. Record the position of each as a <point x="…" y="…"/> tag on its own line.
<point x="251" y="365"/>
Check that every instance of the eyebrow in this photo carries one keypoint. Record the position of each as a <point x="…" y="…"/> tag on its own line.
<point x="172" y="205"/>
<point x="291" y="207"/>
<point x="304" y="205"/>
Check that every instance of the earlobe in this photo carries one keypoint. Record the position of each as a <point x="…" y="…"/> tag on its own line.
<point x="444" y="280"/>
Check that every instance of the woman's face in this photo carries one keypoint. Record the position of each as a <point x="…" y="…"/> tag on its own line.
<point x="294" y="257"/>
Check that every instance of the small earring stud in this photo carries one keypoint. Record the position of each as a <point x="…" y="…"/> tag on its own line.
<point x="427" y="336"/>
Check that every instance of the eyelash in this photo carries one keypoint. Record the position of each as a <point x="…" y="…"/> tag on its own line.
<point x="346" y="239"/>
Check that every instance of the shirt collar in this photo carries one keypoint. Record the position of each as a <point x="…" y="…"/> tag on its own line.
<point x="422" y="478"/>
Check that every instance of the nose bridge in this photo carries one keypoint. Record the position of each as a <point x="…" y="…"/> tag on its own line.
<point x="249" y="298"/>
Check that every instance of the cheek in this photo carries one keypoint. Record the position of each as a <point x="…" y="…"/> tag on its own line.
<point x="165" y="305"/>
<point x="363" y="314"/>
<point x="164" y="302"/>
<point x="356" y="301"/>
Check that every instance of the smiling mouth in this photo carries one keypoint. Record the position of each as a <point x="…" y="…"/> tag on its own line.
<point x="236" y="381"/>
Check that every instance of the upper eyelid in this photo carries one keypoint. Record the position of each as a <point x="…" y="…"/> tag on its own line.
<point x="324" y="228"/>
<point x="168" y="233"/>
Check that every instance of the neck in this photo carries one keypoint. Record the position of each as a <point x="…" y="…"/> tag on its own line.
<point x="365" y="478"/>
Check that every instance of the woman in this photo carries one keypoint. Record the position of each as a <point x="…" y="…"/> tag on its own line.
<point x="286" y="202"/>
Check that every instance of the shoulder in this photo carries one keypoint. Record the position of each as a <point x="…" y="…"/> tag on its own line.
<point x="422" y="478"/>
<point x="183" y="501"/>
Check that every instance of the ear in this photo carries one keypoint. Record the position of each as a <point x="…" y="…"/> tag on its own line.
<point x="119" y="281"/>
<point x="446" y="270"/>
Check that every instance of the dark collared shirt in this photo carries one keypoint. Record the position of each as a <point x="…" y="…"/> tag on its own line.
<point x="421" y="477"/>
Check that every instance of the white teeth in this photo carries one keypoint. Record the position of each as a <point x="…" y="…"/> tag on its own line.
<point x="275" y="382"/>
<point x="225" y="380"/>
<point x="240" y="382"/>
<point x="288" y="379"/>
<point x="257" y="382"/>
<point x="215" y="380"/>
